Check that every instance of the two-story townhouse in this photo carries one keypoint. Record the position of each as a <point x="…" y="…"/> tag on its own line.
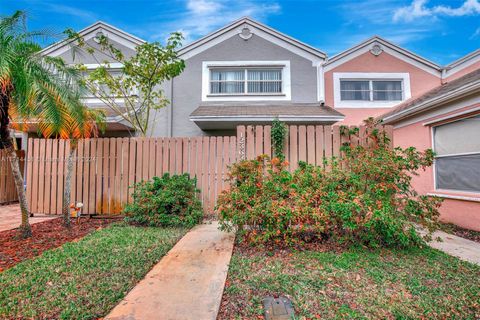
<point x="249" y="73"/>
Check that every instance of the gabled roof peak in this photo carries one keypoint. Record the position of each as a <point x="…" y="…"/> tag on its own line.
<point x="263" y="30"/>
<point x="388" y="44"/>
<point x="124" y="37"/>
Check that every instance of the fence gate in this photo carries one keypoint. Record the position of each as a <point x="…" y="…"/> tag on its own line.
<point x="8" y="191"/>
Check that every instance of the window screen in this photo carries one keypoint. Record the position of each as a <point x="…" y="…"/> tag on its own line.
<point x="227" y="81"/>
<point x="245" y="81"/>
<point x="387" y="90"/>
<point x="355" y="90"/>
<point x="371" y="90"/>
<point x="457" y="145"/>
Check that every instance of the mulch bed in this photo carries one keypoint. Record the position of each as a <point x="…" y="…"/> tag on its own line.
<point x="460" y="232"/>
<point x="46" y="235"/>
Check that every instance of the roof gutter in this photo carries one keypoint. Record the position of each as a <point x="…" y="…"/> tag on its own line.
<point x="426" y="105"/>
<point x="257" y="118"/>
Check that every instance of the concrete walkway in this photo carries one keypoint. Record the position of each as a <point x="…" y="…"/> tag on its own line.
<point x="186" y="284"/>
<point x="456" y="246"/>
<point x="10" y="217"/>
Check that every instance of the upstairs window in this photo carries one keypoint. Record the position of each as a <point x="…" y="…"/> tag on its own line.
<point x="457" y="162"/>
<point x="371" y="90"/>
<point x="245" y="81"/>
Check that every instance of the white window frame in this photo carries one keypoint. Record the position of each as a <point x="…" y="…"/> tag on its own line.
<point x="285" y="95"/>
<point x="432" y="134"/>
<point x="339" y="103"/>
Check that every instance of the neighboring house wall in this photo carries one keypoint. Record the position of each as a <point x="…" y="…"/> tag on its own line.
<point x="187" y="88"/>
<point x="420" y="81"/>
<point x="461" y="208"/>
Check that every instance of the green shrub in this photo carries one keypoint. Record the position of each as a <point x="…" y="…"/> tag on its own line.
<point x="166" y="201"/>
<point x="365" y="198"/>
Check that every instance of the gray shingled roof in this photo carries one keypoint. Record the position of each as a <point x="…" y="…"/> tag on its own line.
<point x="300" y="110"/>
<point x="434" y="93"/>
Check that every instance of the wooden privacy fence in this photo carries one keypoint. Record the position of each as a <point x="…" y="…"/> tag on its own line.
<point x="311" y="144"/>
<point x="105" y="168"/>
<point x="8" y="192"/>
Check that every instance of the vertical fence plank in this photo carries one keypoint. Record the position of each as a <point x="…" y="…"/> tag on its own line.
<point x="166" y="155"/>
<point x="218" y="169"/>
<point x="250" y="142"/>
<point x="192" y="155"/>
<point x="211" y="176"/>
<point x="146" y="159"/>
<point x="105" y="166"/>
<point x="171" y="160"/>
<point x="319" y="146"/>
<point x="225" y="163"/>
<point x="124" y="175"/>
<point x="99" y="176"/>
<point x="311" y="145"/>
<point x="85" y="176"/>
<point x="54" y="194"/>
<point x="29" y="163"/>
<point x="41" y="175"/>
<point x="92" y="160"/>
<point x="185" y="155"/>
<point x="117" y="196"/>
<point x="258" y="140"/>
<point x="111" y="175"/>
<point x="293" y="147"/>
<point x="241" y="143"/>
<point x="48" y="176"/>
<point x="336" y="141"/>
<point x="302" y="143"/>
<point x="267" y="141"/>
<point x="151" y="158"/>
<point x="178" y="155"/>
<point x="159" y="157"/>
<point x="204" y="187"/>
<point x="327" y="133"/>
<point x="61" y="167"/>
<point x="139" y="164"/>
<point x="132" y="164"/>
<point x="79" y="177"/>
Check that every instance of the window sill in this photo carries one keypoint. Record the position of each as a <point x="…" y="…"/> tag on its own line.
<point x="465" y="196"/>
<point x="248" y="95"/>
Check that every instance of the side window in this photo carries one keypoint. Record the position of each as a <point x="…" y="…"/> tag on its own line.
<point x="457" y="148"/>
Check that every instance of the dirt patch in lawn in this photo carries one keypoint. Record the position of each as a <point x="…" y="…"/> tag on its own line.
<point x="45" y="235"/>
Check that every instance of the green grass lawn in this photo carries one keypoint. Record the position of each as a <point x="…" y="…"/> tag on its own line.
<point x="355" y="284"/>
<point x="84" y="279"/>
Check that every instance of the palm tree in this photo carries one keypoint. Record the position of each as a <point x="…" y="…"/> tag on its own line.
<point x="39" y="89"/>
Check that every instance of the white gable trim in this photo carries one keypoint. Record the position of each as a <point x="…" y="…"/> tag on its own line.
<point x="114" y="34"/>
<point x="387" y="47"/>
<point x="258" y="29"/>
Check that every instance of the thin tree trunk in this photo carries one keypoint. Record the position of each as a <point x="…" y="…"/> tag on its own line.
<point x="25" y="228"/>
<point x="68" y="184"/>
<point x="7" y="142"/>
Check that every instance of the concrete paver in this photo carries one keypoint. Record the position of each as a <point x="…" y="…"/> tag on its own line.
<point x="187" y="283"/>
<point x="459" y="247"/>
<point x="10" y="217"/>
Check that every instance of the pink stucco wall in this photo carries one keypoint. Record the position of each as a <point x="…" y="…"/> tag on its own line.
<point x="463" y="213"/>
<point x="462" y="72"/>
<point x="420" y="81"/>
